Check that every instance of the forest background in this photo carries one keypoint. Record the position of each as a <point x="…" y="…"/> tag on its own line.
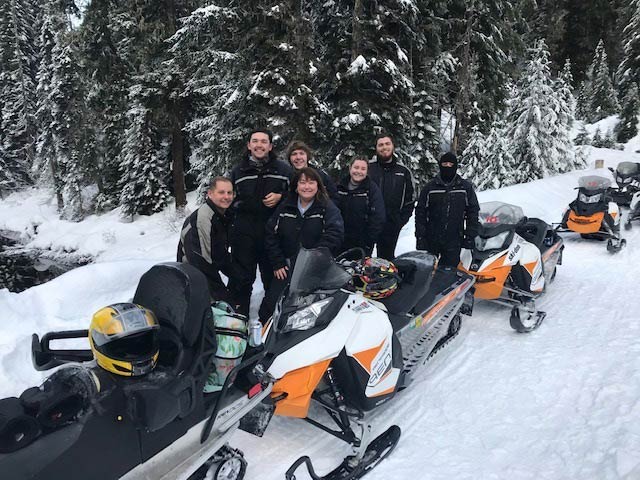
<point x="131" y="103"/>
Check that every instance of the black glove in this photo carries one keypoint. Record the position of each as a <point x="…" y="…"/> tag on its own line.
<point x="468" y="243"/>
<point x="421" y="243"/>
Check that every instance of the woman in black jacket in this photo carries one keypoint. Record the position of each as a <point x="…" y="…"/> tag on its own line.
<point x="362" y="206"/>
<point x="307" y="218"/>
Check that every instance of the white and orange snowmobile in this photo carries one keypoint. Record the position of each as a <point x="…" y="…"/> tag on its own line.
<point x="593" y="215"/>
<point x="513" y="260"/>
<point x="330" y="342"/>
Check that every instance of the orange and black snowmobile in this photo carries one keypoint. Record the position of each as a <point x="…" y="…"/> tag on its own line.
<point x="593" y="215"/>
<point x="513" y="260"/>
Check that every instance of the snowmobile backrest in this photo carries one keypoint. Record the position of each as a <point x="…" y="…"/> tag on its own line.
<point x="533" y="231"/>
<point x="178" y="295"/>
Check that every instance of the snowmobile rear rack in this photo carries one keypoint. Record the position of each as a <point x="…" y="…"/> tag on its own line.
<point x="46" y="358"/>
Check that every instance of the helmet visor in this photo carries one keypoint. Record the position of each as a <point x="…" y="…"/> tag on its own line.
<point x="134" y="347"/>
<point x="124" y="323"/>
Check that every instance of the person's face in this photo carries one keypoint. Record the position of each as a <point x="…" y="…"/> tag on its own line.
<point x="298" y="159"/>
<point x="259" y="145"/>
<point x="384" y="147"/>
<point x="358" y="171"/>
<point x="221" y="195"/>
<point x="447" y="164"/>
<point x="307" y="188"/>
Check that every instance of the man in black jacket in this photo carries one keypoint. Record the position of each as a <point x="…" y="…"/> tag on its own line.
<point x="260" y="181"/>
<point x="396" y="182"/>
<point x="447" y="214"/>
<point x="300" y="155"/>
<point x="204" y="239"/>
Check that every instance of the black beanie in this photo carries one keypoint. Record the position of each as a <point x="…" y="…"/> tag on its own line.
<point x="448" y="173"/>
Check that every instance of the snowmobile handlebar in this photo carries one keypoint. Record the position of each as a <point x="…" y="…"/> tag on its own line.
<point x="46" y="358"/>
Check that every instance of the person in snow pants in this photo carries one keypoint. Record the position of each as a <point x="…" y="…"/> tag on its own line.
<point x="362" y="206"/>
<point x="260" y="182"/>
<point x="396" y="183"/>
<point x="307" y="218"/>
<point x="447" y="214"/>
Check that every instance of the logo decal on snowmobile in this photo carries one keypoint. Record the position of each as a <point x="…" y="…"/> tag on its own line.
<point x="361" y="308"/>
<point x="380" y="365"/>
<point x="514" y="252"/>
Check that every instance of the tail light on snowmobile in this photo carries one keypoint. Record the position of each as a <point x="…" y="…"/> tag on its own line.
<point x="589" y="198"/>
<point x="307" y="317"/>
<point x="491" y="243"/>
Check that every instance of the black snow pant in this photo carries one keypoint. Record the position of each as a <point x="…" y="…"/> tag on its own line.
<point x="271" y="296"/>
<point x="248" y="252"/>
<point x="386" y="246"/>
<point x="449" y="256"/>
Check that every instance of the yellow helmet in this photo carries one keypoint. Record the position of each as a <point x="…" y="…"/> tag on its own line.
<point x="124" y="339"/>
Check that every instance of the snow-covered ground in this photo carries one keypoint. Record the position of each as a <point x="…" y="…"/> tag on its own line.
<point x="560" y="403"/>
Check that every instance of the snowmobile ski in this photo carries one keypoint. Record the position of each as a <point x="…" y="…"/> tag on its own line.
<point x="615" y="245"/>
<point x="353" y="468"/>
<point x="532" y="321"/>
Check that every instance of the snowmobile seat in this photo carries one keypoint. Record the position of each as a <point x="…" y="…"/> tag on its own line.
<point x="178" y="295"/>
<point x="534" y="231"/>
<point x="415" y="269"/>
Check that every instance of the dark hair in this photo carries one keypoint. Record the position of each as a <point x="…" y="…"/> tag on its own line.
<point x="359" y="158"/>
<point x="298" y="145"/>
<point x="266" y="131"/>
<point x="385" y="135"/>
<point x="310" y="174"/>
<point x="219" y="178"/>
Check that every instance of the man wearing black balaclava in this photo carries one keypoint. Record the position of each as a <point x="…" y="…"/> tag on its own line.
<point x="447" y="214"/>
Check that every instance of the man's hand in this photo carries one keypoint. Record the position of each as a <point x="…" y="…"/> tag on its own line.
<point x="272" y="199"/>
<point x="281" y="273"/>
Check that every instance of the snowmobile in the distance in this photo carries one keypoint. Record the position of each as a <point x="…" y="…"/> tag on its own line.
<point x="627" y="178"/>
<point x="513" y="260"/>
<point x="348" y="336"/>
<point x="142" y="416"/>
<point x="634" y="211"/>
<point x="593" y="215"/>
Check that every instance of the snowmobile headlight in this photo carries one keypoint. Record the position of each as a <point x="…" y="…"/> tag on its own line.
<point x="589" y="198"/>
<point x="306" y="318"/>
<point x="491" y="243"/>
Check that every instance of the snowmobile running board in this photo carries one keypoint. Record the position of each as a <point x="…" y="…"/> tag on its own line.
<point x="353" y="468"/>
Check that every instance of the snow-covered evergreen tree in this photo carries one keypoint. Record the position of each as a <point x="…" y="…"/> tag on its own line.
<point x="597" y="139"/>
<point x="628" y="126"/>
<point x="532" y="121"/>
<point x="143" y="164"/>
<point x="602" y="100"/>
<point x="474" y="157"/>
<point x="561" y="130"/>
<point x="583" y="137"/>
<point x="18" y="45"/>
<point x="628" y="71"/>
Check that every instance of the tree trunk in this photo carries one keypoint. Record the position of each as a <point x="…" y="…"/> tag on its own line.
<point x="177" y="160"/>
<point x="356" y="36"/>
<point x="463" y="102"/>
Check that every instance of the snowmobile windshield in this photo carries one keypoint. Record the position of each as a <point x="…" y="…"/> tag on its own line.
<point x="626" y="169"/>
<point x="594" y="182"/>
<point x="314" y="270"/>
<point x="498" y="214"/>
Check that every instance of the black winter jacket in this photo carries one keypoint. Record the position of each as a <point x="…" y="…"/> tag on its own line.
<point x="287" y="230"/>
<point x="396" y="183"/>
<point x="446" y="213"/>
<point x="252" y="183"/>
<point x="205" y="243"/>
<point x="328" y="182"/>
<point x="362" y="211"/>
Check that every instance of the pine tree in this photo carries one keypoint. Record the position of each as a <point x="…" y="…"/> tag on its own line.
<point x="532" y="117"/>
<point x="561" y="130"/>
<point x="602" y="97"/>
<point x="474" y="157"/>
<point x="629" y="69"/>
<point x="491" y="165"/>
<point x="597" y="140"/>
<point x="583" y="137"/>
<point x="17" y="87"/>
<point x="143" y="165"/>
<point x="628" y="126"/>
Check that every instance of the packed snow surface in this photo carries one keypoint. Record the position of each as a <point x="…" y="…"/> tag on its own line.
<point x="562" y="402"/>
